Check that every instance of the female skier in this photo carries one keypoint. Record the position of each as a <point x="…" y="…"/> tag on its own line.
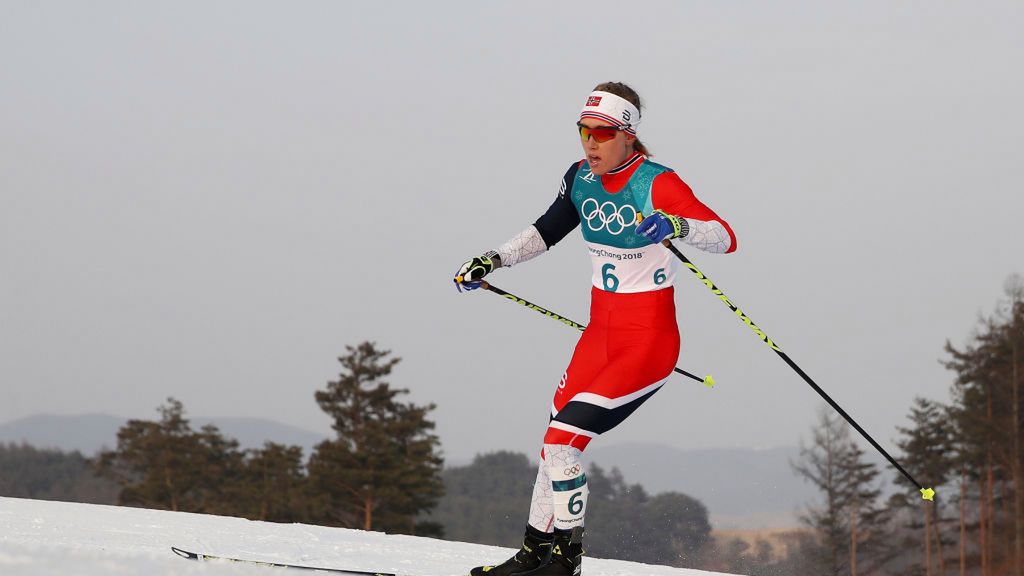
<point x="632" y="341"/>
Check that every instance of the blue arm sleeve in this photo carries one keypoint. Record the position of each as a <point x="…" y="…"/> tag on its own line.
<point x="561" y="217"/>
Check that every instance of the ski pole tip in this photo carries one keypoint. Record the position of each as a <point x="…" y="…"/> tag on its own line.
<point x="928" y="494"/>
<point x="709" y="381"/>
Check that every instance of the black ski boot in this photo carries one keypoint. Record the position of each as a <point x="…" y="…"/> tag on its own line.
<point x="534" y="553"/>
<point x="566" y="555"/>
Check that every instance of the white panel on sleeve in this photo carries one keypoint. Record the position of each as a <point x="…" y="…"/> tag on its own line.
<point x="522" y="247"/>
<point x="709" y="236"/>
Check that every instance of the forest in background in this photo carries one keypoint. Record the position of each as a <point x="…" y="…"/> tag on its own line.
<point x="383" y="471"/>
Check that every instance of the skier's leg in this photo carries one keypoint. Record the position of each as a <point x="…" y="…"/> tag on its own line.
<point x="568" y="489"/>
<point x="609" y="397"/>
<point x="541" y="516"/>
<point x="568" y="485"/>
<point x="639" y="363"/>
<point x="540" y="529"/>
<point x="587" y="360"/>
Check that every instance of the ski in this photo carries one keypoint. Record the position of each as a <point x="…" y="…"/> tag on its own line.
<point x="198" y="556"/>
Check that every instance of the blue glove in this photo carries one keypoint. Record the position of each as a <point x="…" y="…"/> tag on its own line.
<point x="661" y="225"/>
<point x="474" y="269"/>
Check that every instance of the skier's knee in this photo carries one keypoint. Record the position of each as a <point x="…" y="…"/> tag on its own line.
<point x="568" y="484"/>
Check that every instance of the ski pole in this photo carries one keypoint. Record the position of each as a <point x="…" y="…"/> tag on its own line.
<point x="707" y="380"/>
<point x="926" y="493"/>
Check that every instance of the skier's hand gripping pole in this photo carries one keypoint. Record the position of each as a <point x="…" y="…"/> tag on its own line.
<point x="707" y="380"/>
<point x="926" y="493"/>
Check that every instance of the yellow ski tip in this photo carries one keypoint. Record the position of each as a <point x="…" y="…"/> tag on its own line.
<point x="709" y="381"/>
<point x="928" y="494"/>
<point x="458" y="279"/>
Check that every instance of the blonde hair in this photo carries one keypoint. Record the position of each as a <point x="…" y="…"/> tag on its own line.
<point x="623" y="91"/>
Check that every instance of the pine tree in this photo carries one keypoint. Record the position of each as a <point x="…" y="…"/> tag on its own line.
<point x="273" y="485"/>
<point x="168" y="465"/>
<point x="972" y="415"/>
<point x="384" y="467"/>
<point x="867" y="520"/>
<point x="219" y="465"/>
<point x="989" y="414"/>
<point x="928" y="456"/>
<point x="849" y="523"/>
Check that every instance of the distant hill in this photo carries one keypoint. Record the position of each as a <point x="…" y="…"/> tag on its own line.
<point x="89" y="433"/>
<point x="744" y="488"/>
<point x="85" y="433"/>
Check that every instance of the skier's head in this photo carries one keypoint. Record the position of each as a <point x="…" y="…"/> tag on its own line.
<point x="607" y="126"/>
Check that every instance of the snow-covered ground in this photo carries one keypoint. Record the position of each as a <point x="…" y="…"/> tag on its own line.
<point x="47" y="538"/>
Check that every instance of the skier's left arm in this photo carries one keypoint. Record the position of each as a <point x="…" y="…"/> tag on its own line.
<point x="679" y="214"/>
<point x="560" y="219"/>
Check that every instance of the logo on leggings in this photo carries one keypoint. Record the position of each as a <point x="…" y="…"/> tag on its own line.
<point x="563" y="381"/>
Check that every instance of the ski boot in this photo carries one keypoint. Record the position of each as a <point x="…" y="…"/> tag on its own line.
<point x="566" y="555"/>
<point x="534" y="553"/>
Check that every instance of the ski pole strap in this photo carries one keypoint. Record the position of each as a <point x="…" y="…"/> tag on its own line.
<point x="926" y="493"/>
<point x="707" y="380"/>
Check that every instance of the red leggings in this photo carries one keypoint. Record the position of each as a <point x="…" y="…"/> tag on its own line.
<point x="624" y="356"/>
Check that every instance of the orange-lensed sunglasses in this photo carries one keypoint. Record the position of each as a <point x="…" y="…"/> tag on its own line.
<point x="599" y="133"/>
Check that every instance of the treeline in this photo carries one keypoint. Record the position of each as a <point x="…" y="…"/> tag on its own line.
<point x="484" y="502"/>
<point x="165" y="464"/>
<point x="983" y="430"/>
<point x="47" y="474"/>
<point x="380" y="471"/>
<point x="969" y="449"/>
<point x="487" y="502"/>
<point x="383" y="471"/>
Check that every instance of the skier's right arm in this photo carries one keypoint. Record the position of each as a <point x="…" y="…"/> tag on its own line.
<point x="560" y="219"/>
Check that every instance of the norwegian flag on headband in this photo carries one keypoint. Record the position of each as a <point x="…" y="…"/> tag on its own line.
<point x="593" y="101"/>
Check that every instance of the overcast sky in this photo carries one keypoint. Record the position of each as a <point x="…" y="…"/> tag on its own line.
<point x="210" y="200"/>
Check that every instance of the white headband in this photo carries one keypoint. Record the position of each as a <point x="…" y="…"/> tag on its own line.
<point x="613" y="109"/>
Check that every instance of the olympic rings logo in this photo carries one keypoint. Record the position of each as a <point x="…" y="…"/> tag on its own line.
<point x="573" y="471"/>
<point x="607" y="216"/>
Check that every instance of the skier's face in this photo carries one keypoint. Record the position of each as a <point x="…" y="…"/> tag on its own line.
<point x="608" y="155"/>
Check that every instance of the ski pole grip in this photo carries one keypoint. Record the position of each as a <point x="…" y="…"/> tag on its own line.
<point x="640" y="218"/>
